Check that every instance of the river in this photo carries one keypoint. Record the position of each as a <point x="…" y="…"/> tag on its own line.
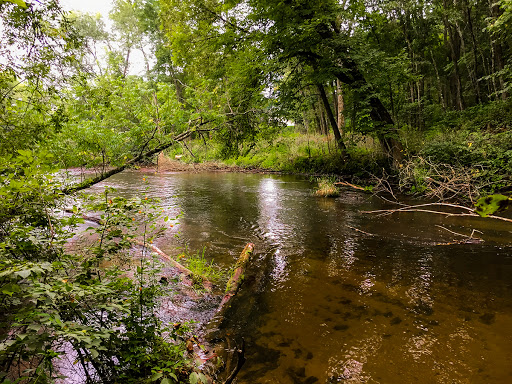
<point x="325" y="303"/>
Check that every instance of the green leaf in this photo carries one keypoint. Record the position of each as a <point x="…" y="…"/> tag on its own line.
<point x="10" y="289"/>
<point x="34" y="327"/>
<point x="156" y="376"/>
<point x="23" y="273"/>
<point x="94" y="353"/>
<point x="165" y="381"/>
<point x="193" y="378"/>
<point x="491" y="204"/>
<point x="20" y="3"/>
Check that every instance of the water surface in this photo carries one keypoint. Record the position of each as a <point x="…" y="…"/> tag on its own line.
<point x="324" y="303"/>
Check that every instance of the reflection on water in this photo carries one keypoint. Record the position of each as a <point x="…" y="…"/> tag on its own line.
<point x="323" y="303"/>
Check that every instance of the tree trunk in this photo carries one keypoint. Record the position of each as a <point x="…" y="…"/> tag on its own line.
<point x="126" y="63"/>
<point x="439" y="83"/>
<point x="454" y="56"/>
<point x="341" y="106"/>
<point x="237" y="277"/>
<point x="386" y="129"/>
<point x="331" y="119"/>
<point x="497" y="54"/>
<point x="475" y="53"/>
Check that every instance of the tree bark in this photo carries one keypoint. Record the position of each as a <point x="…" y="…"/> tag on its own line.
<point x="330" y="117"/>
<point x="341" y="106"/>
<point x="237" y="277"/>
<point x="439" y="83"/>
<point x="475" y="53"/>
<point x="454" y="56"/>
<point x="497" y="55"/>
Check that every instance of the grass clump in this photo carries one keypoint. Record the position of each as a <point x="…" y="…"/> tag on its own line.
<point x="327" y="188"/>
<point x="201" y="268"/>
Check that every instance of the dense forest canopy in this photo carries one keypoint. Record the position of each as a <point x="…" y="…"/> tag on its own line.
<point x="246" y="68"/>
<point x="428" y="81"/>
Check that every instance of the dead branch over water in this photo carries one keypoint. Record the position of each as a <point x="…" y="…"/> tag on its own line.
<point x="444" y="181"/>
<point x="463" y="211"/>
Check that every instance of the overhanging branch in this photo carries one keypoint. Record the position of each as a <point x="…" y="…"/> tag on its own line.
<point x="88" y="183"/>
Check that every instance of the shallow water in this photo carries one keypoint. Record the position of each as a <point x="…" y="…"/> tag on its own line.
<point x="324" y="303"/>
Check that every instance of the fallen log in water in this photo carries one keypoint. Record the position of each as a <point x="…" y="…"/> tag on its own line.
<point x="182" y="269"/>
<point x="219" y="343"/>
<point x="240" y="362"/>
<point x="187" y="274"/>
<point x="237" y="277"/>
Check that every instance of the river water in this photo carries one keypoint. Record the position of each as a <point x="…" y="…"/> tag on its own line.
<point x="325" y="303"/>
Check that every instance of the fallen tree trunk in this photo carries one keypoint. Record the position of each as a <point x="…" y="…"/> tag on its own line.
<point x="237" y="277"/>
<point x="217" y="338"/>
<point x="182" y="269"/>
<point x="90" y="182"/>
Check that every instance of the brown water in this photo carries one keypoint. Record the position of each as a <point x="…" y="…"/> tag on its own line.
<point x="323" y="303"/>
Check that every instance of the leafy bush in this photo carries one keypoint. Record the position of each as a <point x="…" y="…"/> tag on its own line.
<point x="55" y="303"/>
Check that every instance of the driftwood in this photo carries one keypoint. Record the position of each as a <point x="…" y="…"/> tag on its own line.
<point x="344" y="183"/>
<point x="237" y="277"/>
<point x="426" y="208"/>
<point x="360" y="230"/>
<point x="240" y="362"/>
<point x="184" y="271"/>
<point x="467" y="239"/>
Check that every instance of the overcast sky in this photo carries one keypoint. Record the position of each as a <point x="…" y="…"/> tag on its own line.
<point x="89" y="6"/>
<point x="137" y="66"/>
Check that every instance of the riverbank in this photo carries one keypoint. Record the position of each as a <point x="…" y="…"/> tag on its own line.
<point x="443" y="164"/>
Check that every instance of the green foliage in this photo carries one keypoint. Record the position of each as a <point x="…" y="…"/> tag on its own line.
<point x="111" y="120"/>
<point x="327" y="188"/>
<point x="38" y="42"/>
<point x="201" y="268"/>
<point x="54" y="302"/>
<point x="294" y="152"/>
<point x="489" y="205"/>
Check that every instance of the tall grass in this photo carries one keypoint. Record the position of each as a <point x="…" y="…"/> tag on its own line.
<point x="201" y="268"/>
<point x="293" y="152"/>
<point x="327" y="188"/>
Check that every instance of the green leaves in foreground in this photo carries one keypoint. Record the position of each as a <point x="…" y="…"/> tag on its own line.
<point x="491" y="204"/>
<point x="19" y="3"/>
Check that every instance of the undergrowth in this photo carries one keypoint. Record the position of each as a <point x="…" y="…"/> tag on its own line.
<point x="327" y="188"/>
<point x="458" y="155"/>
<point x="295" y="153"/>
<point x="201" y="268"/>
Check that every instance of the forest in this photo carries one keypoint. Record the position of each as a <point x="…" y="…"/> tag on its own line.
<point x="410" y="96"/>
